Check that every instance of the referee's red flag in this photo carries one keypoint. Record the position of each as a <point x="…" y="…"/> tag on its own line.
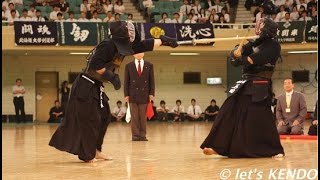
<point x="150" y="112"/>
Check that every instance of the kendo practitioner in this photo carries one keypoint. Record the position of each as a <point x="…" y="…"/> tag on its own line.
<point x="245" y="126"/>
<point x="88" y="113"/>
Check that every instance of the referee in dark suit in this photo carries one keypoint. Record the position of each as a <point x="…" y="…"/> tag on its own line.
<point x="139" y="90"/>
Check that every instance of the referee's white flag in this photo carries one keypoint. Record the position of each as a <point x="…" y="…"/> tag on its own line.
<point x="128" y="115"/>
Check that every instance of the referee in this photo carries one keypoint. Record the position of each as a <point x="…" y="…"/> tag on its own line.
<point x="18" y="92"/>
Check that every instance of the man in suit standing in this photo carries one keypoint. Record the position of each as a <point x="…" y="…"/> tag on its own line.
<point x="291" y="110"/>
<point x="139" y="90"/>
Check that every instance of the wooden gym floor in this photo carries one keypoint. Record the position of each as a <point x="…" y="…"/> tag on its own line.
<point x="172" y="152"/>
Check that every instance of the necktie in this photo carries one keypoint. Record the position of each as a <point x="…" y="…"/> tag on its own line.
<point x="194" y="110"/>
<point x="139" y="69"/>
<point x="288" y="100"/>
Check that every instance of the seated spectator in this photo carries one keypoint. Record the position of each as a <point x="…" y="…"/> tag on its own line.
<point x="202" y="16"/>
<point x="304" y="17"/>
<point x="185" y="8"/>
<point x="53" y="15"/>
<point x="83" y="17"/>
<point x="99" y="7"/>
<point x="147" y="3"/>
<point x="225" y="15"/>
<point x="89" y="13"/>
<point x="313" y="130"/>
<point x="211" y="19"/>
<point x="154" y="108"/>
<point x="8" y="13"/>
<point x="196" y="7"/>
<point x="119" y="113"/>
<point x="222" y="22"/>
<point x="32" y="12"/>
<point x="24" y="16"/>
<point x="314" y="13"/>
<point x="294" y="15"/>
<point x="194" y="15"/>
<point x="194" y="111"/>
<point x="178" y="111"/>
<point x="215" y="15"/>
<point x="117" y="17"/>
<point x="63" y="6"/>
<point x="281" y="14"/>
<point x="162" y="111"/>
<point x="216" y="7"/>
<point x="130" y="18"/>
<point x="109" y="17"/>
<point x="288" y="5"/>
<point x="301" y="10"/>
<point x="59" y="18"/>
<point x="286" y="18"/>
<point x="71" y="17"/>
<point x="274" y="17"/>
<point x="211" y="111"/>
<point x="311" y="3"/>
<point x="176" y="18"/>
<point x="119" y="7"/>
<point x="164" y="18"/>
<point x="302" y="4"/>
<point x="107" y="6"/>
<point x="13" y="17"/>
<point x="291" y="110"/>
<point x="258" y="13"/>
<point x="5" y="5"/>
<point x="95" y="17"/>
<point x="38" y="17"/>
<point x="190" y="19"/>
<point x="84" y="7"/>
<point x="56" y="113"/>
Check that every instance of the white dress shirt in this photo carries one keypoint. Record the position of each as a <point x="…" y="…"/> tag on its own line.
<point x="183" y="9"/>
<point x="196" y="108"/>
<point x="19" y="88"/>
<point x="167" y="20"/>
<point x="137" y="63"/>
<point x="288" y="98"/>
<point x="178" y="109"/>
<point x="119" y="111"/>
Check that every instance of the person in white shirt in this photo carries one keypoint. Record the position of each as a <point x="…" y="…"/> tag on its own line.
<point x="259" y="14"/>
<point x="278" y="3"/>
<point x="162" y="111"/>
<point x="38" y="17"/>
<point x="164" y="18"/>
<point x="71" y="17"/>
<point x="83" y="17"/>
<point x="178" y="111"/>
<point x="24" y="16"/>
<point x="217" y="7"/>
<point x="117" y="17"/>
<point x="59" y="18"/>
<point x="202" y="16"/>
<point x="18" y="92"/>
<point x="281" y="14"/>
<point x="13" y="17"/>
<point x="32" y="12"/>
<point x="95" y="17"/>
<point x="5" y="5"/>
<point x="7" y="14"/>
<point x="302" y="3"/>
<point x="197" y="7"/>
<point x="185" y="8"/>
<point x="119" y="112"/>
<point x="190" y="19"/>
<point x="53" y="15"/>
<point x="214" y="13"/>
<point x="288" y="5"/>
<point x="119" y="7"/>
<point x="176" y="18"/>
<point x="294" y="15"/>
<point x="225" y="15"/>
<point x="109" y="17"/>
<point x="84" y="7"/>
<point x="107" y="6"/>
<point x="274" y="17"/>
<point x="147" y="3"/>
<point x="194" y="111"/>
<point x="194" y="15"/>
<point x="286" y="18"/>
<point x="304" y="17"/>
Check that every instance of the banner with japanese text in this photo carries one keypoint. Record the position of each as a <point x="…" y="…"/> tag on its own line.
<point x="155" y="30"/>
<point x="291" y="32"/>
<point x="194" y="31"/>
<point x="35" y="33"/>
<point x="78" y="33"/>
<point x="311" y="31"/>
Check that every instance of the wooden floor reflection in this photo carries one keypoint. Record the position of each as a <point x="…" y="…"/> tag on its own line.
<point x="172" y="152"/>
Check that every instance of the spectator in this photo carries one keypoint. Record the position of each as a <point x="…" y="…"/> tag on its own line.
<point x="24" y="16"/>
<point x="211" y="111"/>
<point x="214" y="13"/>
<point x="32" y="12"/>
<point x="208" y="4"/>
<point x="225" y="15"/>
<point x="194" y="15"/>
<point x="99" y="7"/>
<point x="185" y="8"/>
<point x="119" y="7"/>
<point x="8" y="12"/>
<point x="109" y="17"/>
<point x="281" y="14"/>
<point x="216" y="7"/>
<point x="302" y="3"/>
<point x="176" y="18"/>
<point x="314" y="13"/>
<point x="222" y="21"/>
<point x="71" y="17"/>
<point x="63" y="6"/>
<point x="178" y="111"/>
<point x="211" y="19"/>
<point x="274" y="17"/>
<point x="130" y="18"/>
<point x="95" y="17"/>
<point x="147" y="3"/>
<point x="202" y="16"/>
<point x="194" y="111"/>
<point x="18" y="92"/>
<point x="196" y="7"/>
<point x="56" y="113"/>
<point x="311" y="4"/>
<point x="288" y="5"/>
<point x="286" y="18"/>
<point x="119" y="112"/>
<point x="259" y="13"/>
<point x="164" y="18"/>
<point x="83" y="17"/>
<point x="38" y="17"/>
<point x="107" y="6"/>
<point x="294" y="15"/>
<point x="89" y="14"/>
<point x="190" y="19"/>
<point x="313" y="130"/>
<point x="84" y="7"/>
<point x="117" y="17"/>
<point x="304" y="17"/>
<point x="53" y="15"/>
<point x="291" y="110"/>
<point x="59" y="17"/>
<point x="162" y="111"/>
<point x="5" y="5"/>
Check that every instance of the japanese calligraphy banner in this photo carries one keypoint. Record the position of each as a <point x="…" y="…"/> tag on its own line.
<point x="311" y="31"/>
<point x="78" y="33"/>
<point x="194" y="31"/>
<point x="291" y="32"/>
<point x="154" y="30"/>
<point x="35" y="33"/>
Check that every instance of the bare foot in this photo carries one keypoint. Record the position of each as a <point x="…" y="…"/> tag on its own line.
<point x="278" y="156"/>
<point x="100" y="155"/>
<point x="209" y="151"/>
<point x="92" y="160"/>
